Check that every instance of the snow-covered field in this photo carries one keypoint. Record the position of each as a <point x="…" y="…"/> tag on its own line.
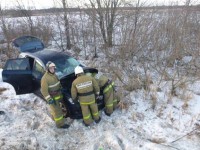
<point x="25" y="124"/>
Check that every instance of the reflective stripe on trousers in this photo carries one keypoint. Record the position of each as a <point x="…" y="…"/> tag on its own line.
<point x="85" y="103"/>
<point x="95" y="114"/>
<point x="87" y="117"/>
<point x="115" y="100"/>
<point x="58" y="119"/>
<point x="109" y="105"/>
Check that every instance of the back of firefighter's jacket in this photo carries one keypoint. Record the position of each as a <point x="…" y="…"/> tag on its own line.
<point x="101" y="79"/>
<point x="84" y="87"/>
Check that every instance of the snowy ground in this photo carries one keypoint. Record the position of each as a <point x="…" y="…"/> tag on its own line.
<point x="27" y="125"/>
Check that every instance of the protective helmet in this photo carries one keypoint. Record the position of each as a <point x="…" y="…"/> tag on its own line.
<point x="50" y="64"/>
<point x="88" y="74"/>
<point x="78" y="70"/>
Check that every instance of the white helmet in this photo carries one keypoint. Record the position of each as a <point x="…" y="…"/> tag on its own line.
<point x="78" y="70"/>
<point x="50" y="64"/>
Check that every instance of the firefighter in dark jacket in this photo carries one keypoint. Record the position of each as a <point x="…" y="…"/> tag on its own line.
<point x="51" y="90"/>
<point x="107" y="86"/>
<point x="84" y="88"/>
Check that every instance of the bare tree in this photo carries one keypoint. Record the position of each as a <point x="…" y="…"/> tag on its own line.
<point x="28" y="16"/>
<point x="5" y="29"/>
<point x="94" y="33"/>
<point x="66" y="24"/>
<point x="106" y="14"/>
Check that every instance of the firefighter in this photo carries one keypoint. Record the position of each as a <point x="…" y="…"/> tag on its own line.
<point x="107" y="86"/>
<point x="51" y="90"/>
<point x="84" y="88"/>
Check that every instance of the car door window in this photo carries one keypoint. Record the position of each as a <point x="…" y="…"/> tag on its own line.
<point x="17" y="64"/>
<point x="38" y="70"/>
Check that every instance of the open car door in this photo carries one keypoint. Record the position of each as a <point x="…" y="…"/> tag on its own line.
<point x="18" y="73"/>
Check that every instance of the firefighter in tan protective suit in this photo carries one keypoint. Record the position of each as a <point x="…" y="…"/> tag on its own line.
<point x="51" y="90"/>
<point x="84" y="88"/>
<point x="107" y="86"/>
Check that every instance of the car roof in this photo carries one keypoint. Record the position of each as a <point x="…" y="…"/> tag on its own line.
<point x="46" y="55"/>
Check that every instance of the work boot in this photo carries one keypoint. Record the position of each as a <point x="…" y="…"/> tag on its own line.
<point x="97" y="121"/>
<point x="87" y="125"/>
<point x="107" y="114"/>
<point x="65" y="126"/>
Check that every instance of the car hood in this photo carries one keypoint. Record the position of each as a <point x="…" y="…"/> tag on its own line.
<point x="86" y="70"/>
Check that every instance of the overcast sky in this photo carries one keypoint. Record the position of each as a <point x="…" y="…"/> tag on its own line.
<point x="52" y="3"/>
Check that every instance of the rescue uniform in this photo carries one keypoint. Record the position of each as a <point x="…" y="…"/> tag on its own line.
<point x="107" y="86"/>
<point x="84" y="88"/>
<point x="51" y="89"/>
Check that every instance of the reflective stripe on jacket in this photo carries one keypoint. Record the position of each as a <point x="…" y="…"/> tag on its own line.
<point x="108" y="87"/>
<point x="102" y="81"/>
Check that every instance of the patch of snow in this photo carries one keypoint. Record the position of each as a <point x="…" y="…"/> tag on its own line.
<point x="186" y="59"/>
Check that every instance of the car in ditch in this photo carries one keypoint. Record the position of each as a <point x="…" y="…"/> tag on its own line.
<point x="24" y="73"/>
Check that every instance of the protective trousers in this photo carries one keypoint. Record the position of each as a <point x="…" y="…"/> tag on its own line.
<point x="89" y="113"/>
<point x="57" y="114"/>
<point x="108" y="99"/>
<point x="116" y="100"/>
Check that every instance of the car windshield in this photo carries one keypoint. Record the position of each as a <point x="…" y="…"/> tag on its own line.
<point x="65" y="65"/>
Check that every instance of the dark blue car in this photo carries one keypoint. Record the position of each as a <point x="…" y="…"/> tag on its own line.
<point x="25" y="72"/>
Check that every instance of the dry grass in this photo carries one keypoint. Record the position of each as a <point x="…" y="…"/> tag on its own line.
<point x="124" y="102"/>
<point x="2" y="90"/>
<point x="133" y="84"/>
<point x="154" y="100"/>
<point x="186" y="98"/>
<point x="123" y="105"/>
<point x="170" y="97"/>
<point x="158" y="140"/>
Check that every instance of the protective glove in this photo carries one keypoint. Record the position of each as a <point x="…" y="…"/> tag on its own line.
<point x="52" y="101"/>
<point x="76" y="100"/>
<point x="97" y="97"/>
<point x="71" y="101"/>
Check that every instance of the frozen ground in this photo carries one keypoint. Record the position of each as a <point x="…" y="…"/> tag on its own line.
<point x="25" y="124"/>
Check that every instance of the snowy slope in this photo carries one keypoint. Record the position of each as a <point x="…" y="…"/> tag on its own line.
<point x="27" y="125"/>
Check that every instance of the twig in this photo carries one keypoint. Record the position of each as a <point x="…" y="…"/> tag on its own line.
<point x="164" y="144"/>
<point x="184" y="136"/>
<point x="169" y="146"/>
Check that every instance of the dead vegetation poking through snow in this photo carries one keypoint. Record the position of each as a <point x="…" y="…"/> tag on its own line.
<point x="2" y="89"/>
